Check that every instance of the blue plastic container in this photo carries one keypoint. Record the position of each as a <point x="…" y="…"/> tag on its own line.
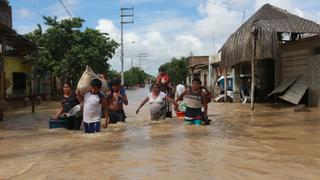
<point x="58" y="123"/>
<point x="197" y="122"/>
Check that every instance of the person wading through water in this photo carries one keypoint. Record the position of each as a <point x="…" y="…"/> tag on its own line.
<point x="163" y="80"/>
<point x="116" y="98"/>
<point x="69" y="100"/>
<point x="195" y="99"/>
<point x="157" y="101"/>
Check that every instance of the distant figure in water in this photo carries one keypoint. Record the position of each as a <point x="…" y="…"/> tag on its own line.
<point x="92" y="109"/>
<point x="180" y="89"/>
<point x="157" y="101"/>
<point x="195" y="99"/>
<point x="68" y="101"/>
<point x="163" y="80"/>
<point x="116" y="97"/>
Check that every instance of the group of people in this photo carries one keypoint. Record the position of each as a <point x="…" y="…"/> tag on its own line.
<point x="196" y="98"/>
<point x="96" y="104"/>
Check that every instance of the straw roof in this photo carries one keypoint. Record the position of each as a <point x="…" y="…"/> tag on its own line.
<point x="268" y="20"/>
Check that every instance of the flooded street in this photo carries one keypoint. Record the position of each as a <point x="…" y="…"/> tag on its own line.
<point x="272" y="143"/>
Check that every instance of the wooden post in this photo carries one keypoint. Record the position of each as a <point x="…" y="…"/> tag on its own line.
<point x="253" y="78"/>
<point x="236" y="84"/>
<point x="2" y="80"/>
<point x="225" y="84"/>
<point x="32" y="89"/>
<point x="214" y="80"/>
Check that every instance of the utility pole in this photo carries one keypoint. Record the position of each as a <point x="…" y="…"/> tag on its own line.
<point x="191" y="56"/>
<point x="124" y="15"/>
<point x="142" y="57"/>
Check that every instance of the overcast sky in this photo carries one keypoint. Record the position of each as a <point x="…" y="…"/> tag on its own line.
<point x="163" y="28"/>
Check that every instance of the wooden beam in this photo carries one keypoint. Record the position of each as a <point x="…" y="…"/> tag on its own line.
<point x="2" y="80"/>
<point x="236" y="84"/>
<point x="225" y="84"/>
<point x="253" y="78"/>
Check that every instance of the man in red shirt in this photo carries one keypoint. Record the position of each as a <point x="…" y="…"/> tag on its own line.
<point x="163" y="80"/>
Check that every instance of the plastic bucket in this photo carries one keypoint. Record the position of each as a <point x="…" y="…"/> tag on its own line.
<point x="180" y="114"/>
<point x="197" y="122"/>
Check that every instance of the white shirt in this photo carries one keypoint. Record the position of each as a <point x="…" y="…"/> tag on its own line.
<point x="155" y="99"/>
<point x="180" y="89"/>
<point x="92" y="108"/>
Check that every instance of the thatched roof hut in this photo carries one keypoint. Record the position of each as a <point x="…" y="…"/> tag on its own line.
<point x="268" y="21"/>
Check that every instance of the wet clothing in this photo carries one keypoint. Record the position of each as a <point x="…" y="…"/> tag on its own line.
<point x="69" y="102"/>
<point x="180" y="89"/>
<point x="157" y="109"/>
<point x="157" y="99"/>
<point x="92" y="127"/>
<point x="168" y="109"/>
<point x="163" y="82"/>
<point x="193" y="113"/>
<point x="194" y="103"/>
<point x="92" y="107"/>
<point x="73" y="122"/>
<point x="194" y="100"/>
<point x="116" y="116"/>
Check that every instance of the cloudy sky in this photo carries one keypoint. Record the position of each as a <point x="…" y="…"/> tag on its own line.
<point x="163" y="28"/>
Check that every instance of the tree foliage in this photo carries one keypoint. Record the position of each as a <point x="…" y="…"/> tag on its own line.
<point x="113" y="74"/>
<point x="177" y="69"/>
<point x="135" y="76"/>
<point x="64" y="49"/>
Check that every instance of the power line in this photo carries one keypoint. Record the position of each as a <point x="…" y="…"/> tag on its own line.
<point x="35" y="8"/>
<point x="65" y="8"/>
<point x="230" y="9"/>
<point x="219" y="5"/>
<point x="67" y="3"/>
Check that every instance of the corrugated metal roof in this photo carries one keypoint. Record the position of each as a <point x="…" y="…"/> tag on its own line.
<point x="295" y="92"/>
<point x="284" y="85"/>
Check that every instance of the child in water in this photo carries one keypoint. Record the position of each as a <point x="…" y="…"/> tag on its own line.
<point x="195" y="98"/>
<point x="116" y="97"/>
<point x="92" y="108"/>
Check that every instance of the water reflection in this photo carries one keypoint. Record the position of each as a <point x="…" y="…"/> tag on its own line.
<point x="271" y="143"/>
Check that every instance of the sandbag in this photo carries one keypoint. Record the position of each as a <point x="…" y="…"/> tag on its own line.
<point x="86" y="78"/>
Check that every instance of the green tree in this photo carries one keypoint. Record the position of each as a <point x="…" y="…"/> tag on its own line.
<point x="113" y="74"/>
<point x="135" y="76"/>
<point x="177" y="69"/>
<point x="65" y="49"/>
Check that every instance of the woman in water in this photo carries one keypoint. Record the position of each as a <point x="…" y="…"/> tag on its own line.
<point x="69" y="100"/>
<point x="157" y="101"/>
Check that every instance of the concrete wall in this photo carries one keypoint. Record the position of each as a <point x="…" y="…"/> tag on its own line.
<point x="16" y="65"/>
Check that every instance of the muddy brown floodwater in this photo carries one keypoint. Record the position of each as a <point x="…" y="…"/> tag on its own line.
<point x="272" y="143"/>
